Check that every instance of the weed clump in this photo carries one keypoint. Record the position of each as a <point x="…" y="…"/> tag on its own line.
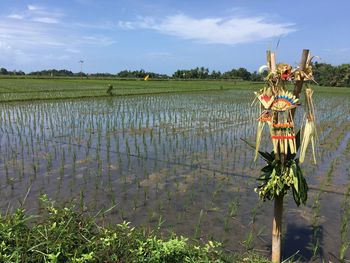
<point x="64" y="234"/>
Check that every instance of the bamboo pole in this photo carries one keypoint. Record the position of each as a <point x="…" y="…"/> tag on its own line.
<point x="277" y="230"/>
<point x="278" y="203"/>
<point x="299" y="83"/>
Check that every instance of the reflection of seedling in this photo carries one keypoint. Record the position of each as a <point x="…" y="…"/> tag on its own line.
<point x="168" y="195"/>
<point x="63" y="159"/>
<point x="135" y="203"/>
<point x="198" y="226"/>
<point x="82" y="202"/>
<point x="74" y="162"/>
<point x="145" y="196"/>
<point x="316" y="207"/>
<point x="49" y="162"/>
<point x="226" y="223"/>
<point x="344" y="229"/>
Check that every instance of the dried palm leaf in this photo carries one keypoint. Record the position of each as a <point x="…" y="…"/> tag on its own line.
<point x="310" y="132"/>
<point x="309" y="135"/>
<point x="259" y="131"/>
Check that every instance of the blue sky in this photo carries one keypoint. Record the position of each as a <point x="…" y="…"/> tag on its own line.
<point x="165" y="35"/>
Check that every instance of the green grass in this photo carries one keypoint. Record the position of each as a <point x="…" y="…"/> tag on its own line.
<point x="21" y="89"/>
<point x="63" y="234"/>
<point x="24" y="89"/>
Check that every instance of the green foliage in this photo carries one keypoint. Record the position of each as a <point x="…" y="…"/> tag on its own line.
<point x="240" y="73"/>
<point x="55" y="72"/>
<point x="5" y="72"/>
<point x="139" y="74"/>
<point x="277" y="178"/>
<point x="328" y="75"/>
<point x="66" y="235"/>
<point x="203" y="73"/>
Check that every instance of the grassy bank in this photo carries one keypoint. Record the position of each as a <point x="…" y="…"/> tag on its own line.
<point x="63" y="234"/>
<point x="26" y="89"/>
<point x="19" y="89"/>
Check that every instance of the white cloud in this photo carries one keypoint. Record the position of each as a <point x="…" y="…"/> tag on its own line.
<point x="12" y="55"/>
<point x="47" y="20"/>
<point x="39" y="28"/>
<point x="39" y="14"/>
<point x="98" y="40"/>
<point x="230" y="31"/>
<point x="37" y="35"/>
<point x="141" y="22"/>
<point x="25" y="34"/>
<point x="97" y="25"/>
<point x="72" y="50"/>
<point x="159" y="54"/>
<point x="16" y="16"/>
<point x="33" y="7"/>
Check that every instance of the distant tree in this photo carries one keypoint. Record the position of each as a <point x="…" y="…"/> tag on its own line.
<point x="20" y="73"/>
<point x="329" y="75"/>
<point x="124" y="74"/>
<point x="140" y="74"/>
<point x="195" y="73"/>
<point x="215" y="74"/>
<point x="342" y="75"/>
<point x="324" y="74"/>
<point x="243" y="74"/>
<point x="230" y="74"/>
<point x="256" y="77"/>
<point x="3" y="71"/>
<point x="53" y="72"/>
<point x="108" y="75"/>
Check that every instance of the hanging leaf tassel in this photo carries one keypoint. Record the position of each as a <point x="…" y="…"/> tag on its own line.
<point x="259" y="130"/>
<point x="309" y="129"/>
<point x="309" y="132"/>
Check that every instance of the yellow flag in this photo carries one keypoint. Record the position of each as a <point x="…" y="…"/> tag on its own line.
<point x="146" y="78"/>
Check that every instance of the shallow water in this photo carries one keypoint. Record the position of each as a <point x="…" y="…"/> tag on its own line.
<point x="176" y="160"/>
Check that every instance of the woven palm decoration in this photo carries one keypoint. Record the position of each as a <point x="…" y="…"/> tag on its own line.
<point x="277" y="106"/>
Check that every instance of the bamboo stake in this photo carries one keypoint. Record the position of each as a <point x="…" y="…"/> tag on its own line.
<point x="278" y="204"/>
<point x="271" y="60"/>
<point x="268" y="58"/>
<point x="277" y="229"/>
<point x="299" y="83"/>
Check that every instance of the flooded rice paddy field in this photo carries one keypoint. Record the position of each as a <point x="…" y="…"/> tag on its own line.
<point x="176" y="161"/>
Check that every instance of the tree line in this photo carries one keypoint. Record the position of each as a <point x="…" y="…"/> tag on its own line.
<point x="335" y="76"/>
<point x="196" y="73"/>
<point x="325" y="74"/>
